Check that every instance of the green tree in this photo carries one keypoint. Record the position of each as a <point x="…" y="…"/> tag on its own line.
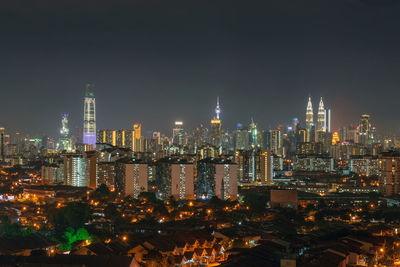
<point x="75" y="215"/>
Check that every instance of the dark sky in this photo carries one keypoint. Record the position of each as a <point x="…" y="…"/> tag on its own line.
<point x="159" y="61"/>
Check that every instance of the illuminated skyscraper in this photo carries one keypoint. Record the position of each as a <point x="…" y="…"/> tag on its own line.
<point x="137" y="127"/>
<point x="217" y="109"/>
<point x="216" y="127"/>
<point x="89" y="119"/>
<point x="364" y="129"/>
<point x="309" y="114"/>
<point x="65" y="141"/>
<point x="178" y="134"/>
<point x="328" y="120"/>
<point x="254" y="142"/>
<point x="310" y="127"/>
<point x="138" y="140"/>
<point x="321" y="127"/>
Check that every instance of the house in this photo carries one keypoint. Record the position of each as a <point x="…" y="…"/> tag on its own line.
<point x="24" y="245"/>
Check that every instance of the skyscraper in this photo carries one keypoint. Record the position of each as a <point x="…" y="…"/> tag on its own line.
<point x="178" y="134"/>
<point x="89" y="119"/>
<point x="321" y="127"/>
<point x="364" y="129"/>
<point x="65" y="141"/>
<point x="328" y="120"/>
<point x="309" y="113"/>
<point x="310" y="128"/>
<point x="216" y="127"/>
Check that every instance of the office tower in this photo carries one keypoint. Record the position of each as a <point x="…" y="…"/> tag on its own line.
<point x="310" y="128"/>
<point x="65" y="140"/>
<point x="364" y="129"/>
<point x="254" y="138"/>
<point x="178" y="135"/>
<point x="217" y="177"/>
<point x="131" y="177"/>
<point x="174" y="177"/>
<point x="389" y="173"/>
<point x="328" y="120"/>
<point x="216" y="127"/>
<point x="295" y="124"/>
<point x="321" y="123"/>
<point x="276" y="141"/>
<point x="309" y="114"/>
<point x="2" y="150"/>
<point x="89" y="120"/>
<point x="137" y="127"/>
<point x="157" y="137"/>
<point x="335" y="138"/>
<point x="301" y="135"/>
<point x="241" y="137"/>
<point x="200" y="136"/>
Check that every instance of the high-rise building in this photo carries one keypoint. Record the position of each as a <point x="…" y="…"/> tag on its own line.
<point x="106" y="174"/>
<point x="275" y="141"/>
<point x="241" y="138"/>
<point x="254" y="135"/>
<point x="389" y="173"/>
<point x="80" y="169"/>
<point x="178" y="134"/>
<point x="321" y="123"/>
<point x="309" y="113"/>
<point x="117" y="138"/>
<point x="216" y="127"/>
<point x="310" y="127"/>
<point x="65" y="140"/>
<point x="364" y="129"/>
<point x="254" y="166"/>
<point x="216" y="177"/>
<point x="174" y="177"/>
<point x="131" y="177"/>
<point x="137" y="127"/>
<point x="295" y="124"/>
<point x="328" y="120"/>
<point x="89" y="119"/>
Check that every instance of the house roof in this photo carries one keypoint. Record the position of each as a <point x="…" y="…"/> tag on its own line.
<point x="32" y="241"/>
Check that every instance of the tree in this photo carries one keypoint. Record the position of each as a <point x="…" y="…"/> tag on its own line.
<point x="111" y="212"/>
<point x="70" y="236"/>
<point x="256" y="201"/>
<point x="75" y="215"/>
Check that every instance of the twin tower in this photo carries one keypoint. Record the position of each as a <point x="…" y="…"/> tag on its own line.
<point x="323" y="118"/>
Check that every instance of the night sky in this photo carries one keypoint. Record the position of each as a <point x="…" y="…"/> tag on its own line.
<point x="155" y="62"/>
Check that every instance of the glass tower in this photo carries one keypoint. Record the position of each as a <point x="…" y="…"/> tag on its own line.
<point x="89" y="119"/>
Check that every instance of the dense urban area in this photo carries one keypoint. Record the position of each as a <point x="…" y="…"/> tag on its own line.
<point x="299" y="194"/>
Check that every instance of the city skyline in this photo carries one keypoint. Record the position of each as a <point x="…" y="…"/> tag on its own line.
<point x="262" y="59"/>
<point x="191" y="125"/>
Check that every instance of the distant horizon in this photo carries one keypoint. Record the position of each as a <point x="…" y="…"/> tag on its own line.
<point x="156" y="62"/>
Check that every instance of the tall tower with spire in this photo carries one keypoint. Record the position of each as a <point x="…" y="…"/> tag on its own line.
<point x="216" y="127"/>
<point x="89" y="117"/>
<point x="310" y="127"/>
<point x="217" y="109"/>
<point x="309" y="113"/>
<point x="321" y="127"/>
